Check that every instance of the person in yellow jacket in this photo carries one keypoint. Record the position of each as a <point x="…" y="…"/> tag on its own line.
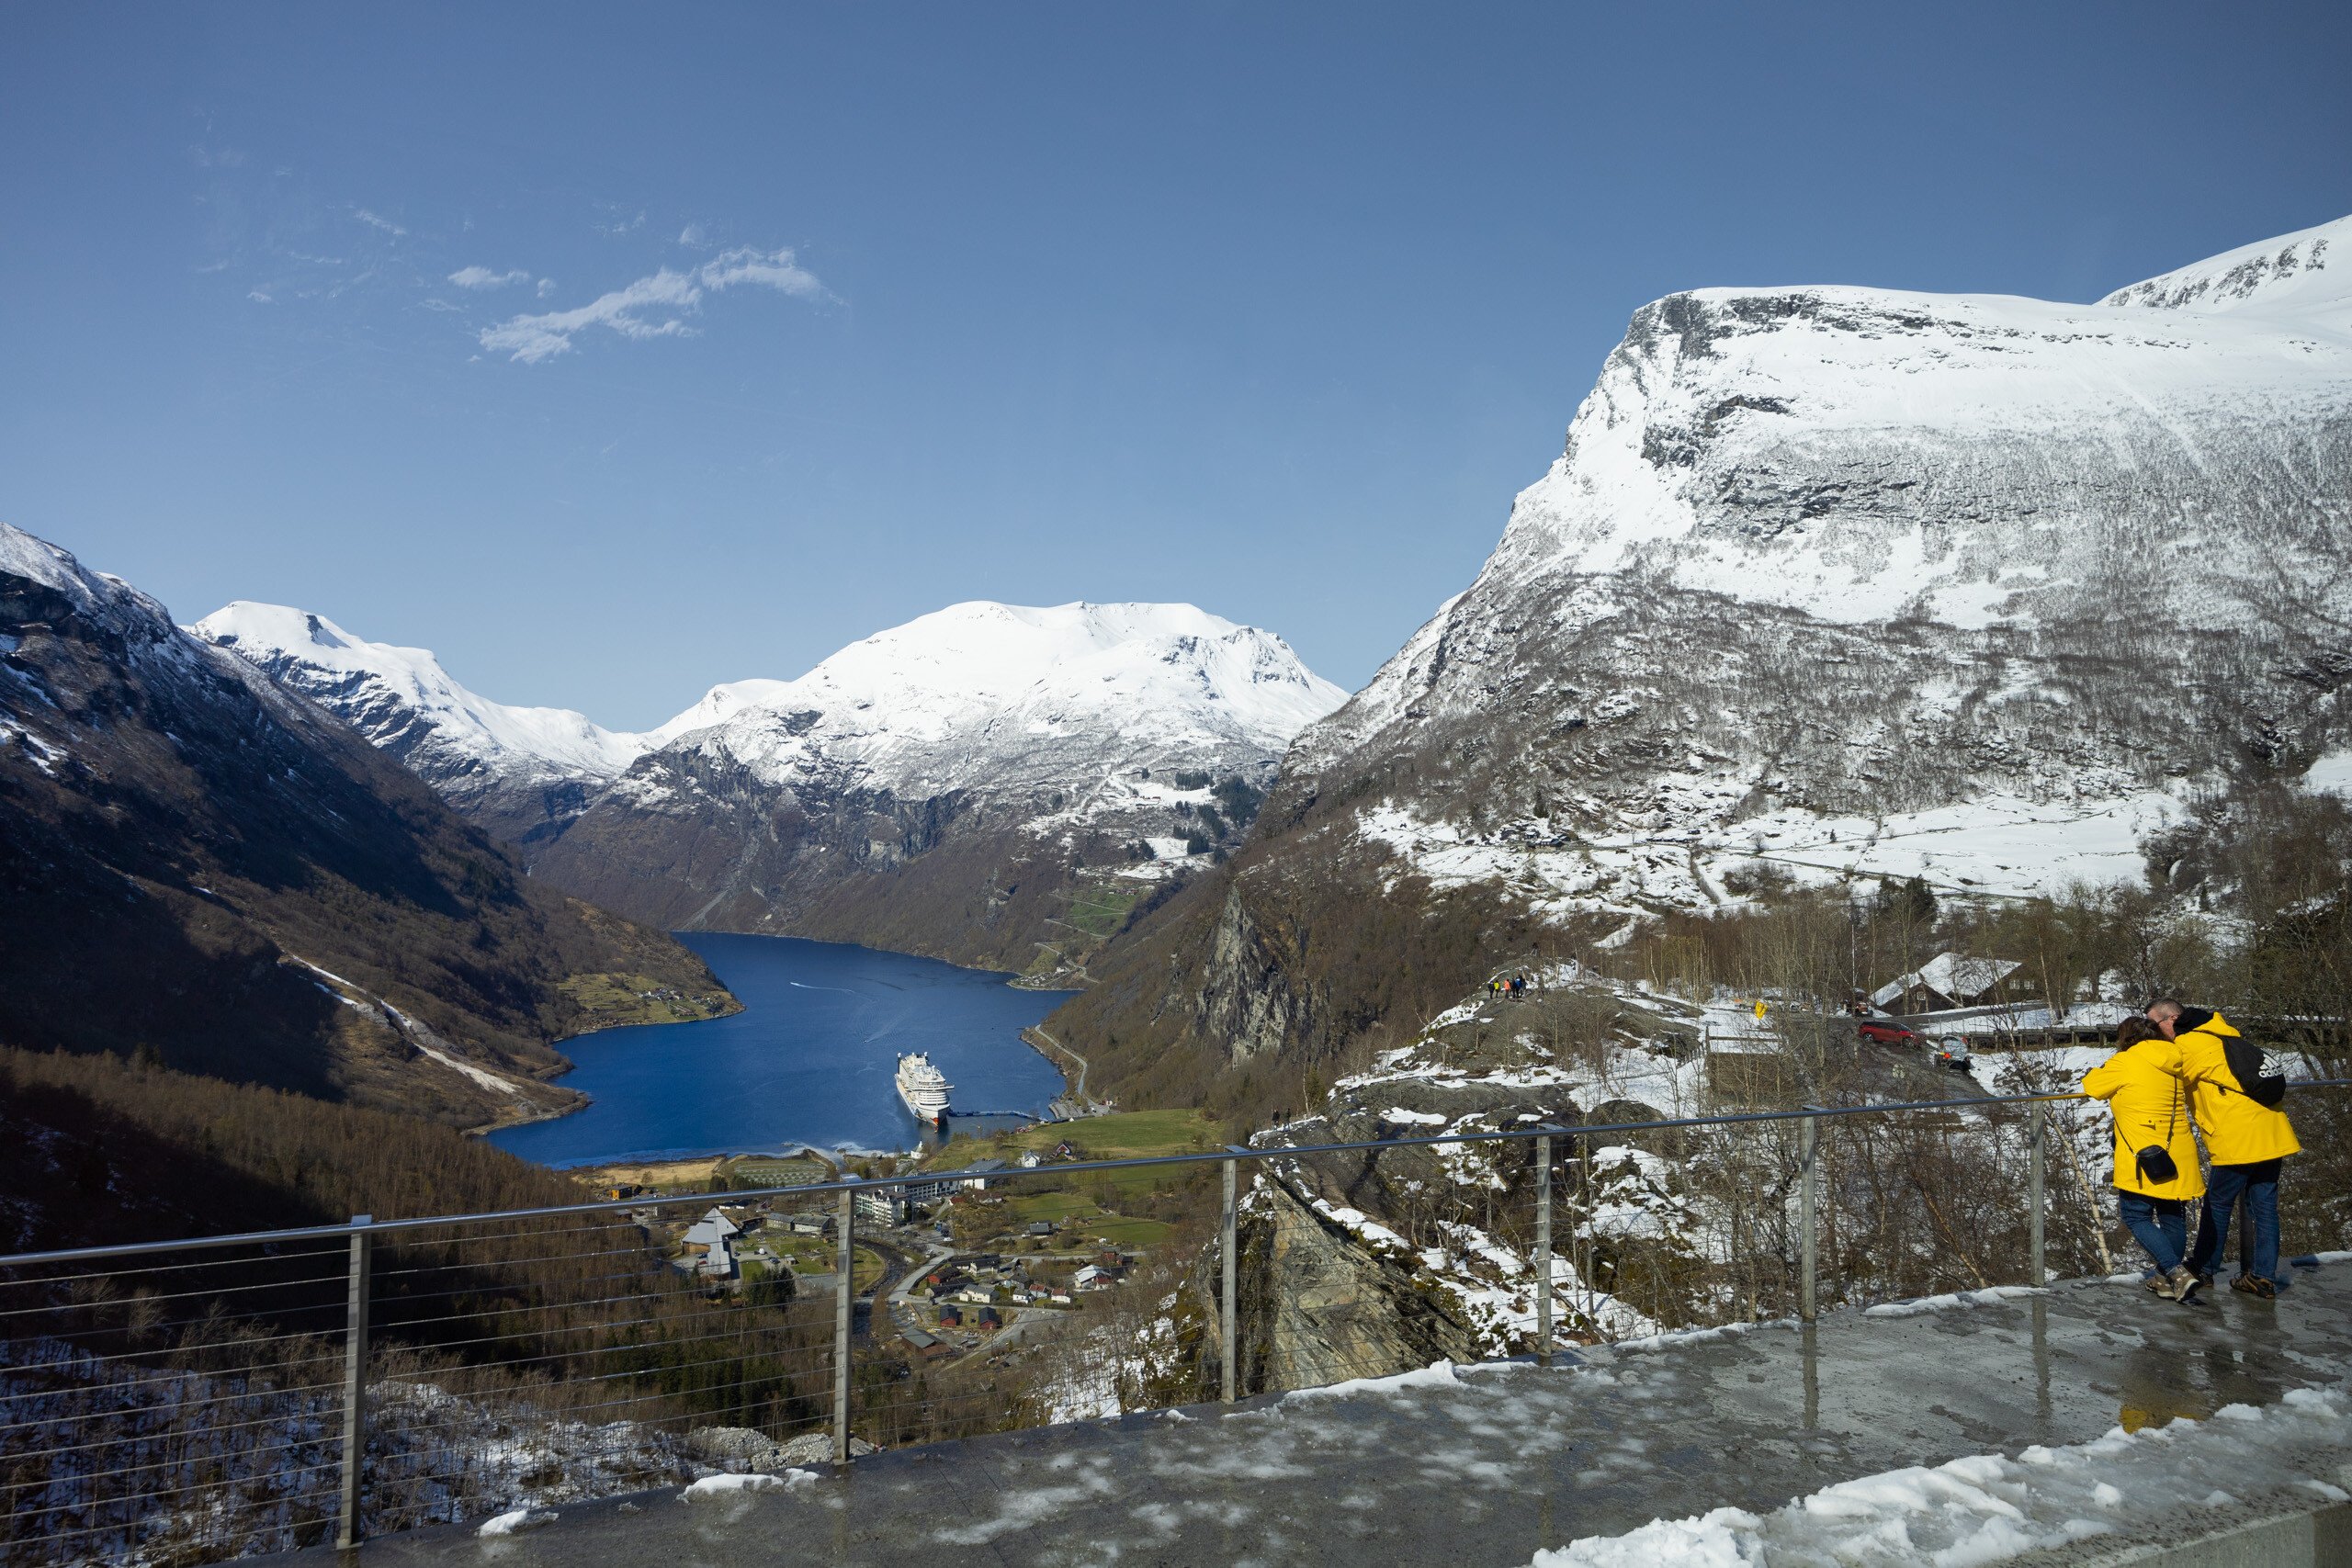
<point x="2155" y="1151"/>
<point x="2238" y="1090"/>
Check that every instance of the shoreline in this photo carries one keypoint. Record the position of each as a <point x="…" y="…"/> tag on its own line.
<point x="523" y="1113"/>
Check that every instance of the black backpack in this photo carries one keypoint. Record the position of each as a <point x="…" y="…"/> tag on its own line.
<point x="2261" y="1074"/>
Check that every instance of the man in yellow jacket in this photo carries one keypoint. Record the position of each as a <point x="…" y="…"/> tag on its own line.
<point x="2238" y="1089"/>
<point x="2155" y="1153"/>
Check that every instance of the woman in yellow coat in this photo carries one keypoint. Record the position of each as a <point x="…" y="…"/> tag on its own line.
<point x="2155" y="1151"/>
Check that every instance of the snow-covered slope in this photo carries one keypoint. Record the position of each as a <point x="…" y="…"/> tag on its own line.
<point x="403" y="700"/>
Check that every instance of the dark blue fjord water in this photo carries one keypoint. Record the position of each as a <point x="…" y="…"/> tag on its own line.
<point x="808" y="1060"/>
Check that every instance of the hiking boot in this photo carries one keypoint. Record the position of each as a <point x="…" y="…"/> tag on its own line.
<point x="2162" y="1285"/>
<point x="2256" y="1285"/>
<point x="2185" y="1285"/>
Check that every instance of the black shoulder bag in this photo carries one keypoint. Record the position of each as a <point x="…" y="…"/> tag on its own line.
<point x="2155" y="1161"/>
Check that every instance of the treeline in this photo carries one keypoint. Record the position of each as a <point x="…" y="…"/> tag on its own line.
<point x="105" y="1149"/>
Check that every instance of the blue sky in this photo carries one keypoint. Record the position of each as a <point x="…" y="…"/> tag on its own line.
<point x="612" y="353"/>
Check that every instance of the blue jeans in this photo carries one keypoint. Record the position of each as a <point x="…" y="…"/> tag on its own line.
<point x="2259" y="1186"/>
<point x="2159" y="1224"/>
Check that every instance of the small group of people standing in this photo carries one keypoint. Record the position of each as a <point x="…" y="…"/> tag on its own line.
<point x="1508" y="986"/>
<point x="2177" y="1072"/>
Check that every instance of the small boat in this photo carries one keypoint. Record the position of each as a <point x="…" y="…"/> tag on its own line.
<point x="923" y="1089"/>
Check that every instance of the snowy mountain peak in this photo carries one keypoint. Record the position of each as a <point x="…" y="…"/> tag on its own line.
<point x="971" y="662"/>
<point x="2307" y="271"/>
<point x="1865" y="454"/>
<point x="402" y="699"/>
<point x="52" y="567"/>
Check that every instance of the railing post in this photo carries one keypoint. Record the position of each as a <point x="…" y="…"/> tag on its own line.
<point x="845" y="1264"/>
<point x="2036" y="1273"/>
<point x="1228" y="1337"/>
<point x="1808" y="1149"/>
<point x="1544" y="1249"/>
<point x="354" y="1380"/>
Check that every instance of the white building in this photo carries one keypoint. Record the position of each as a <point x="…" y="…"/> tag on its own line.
<point x="710" y="1246"/>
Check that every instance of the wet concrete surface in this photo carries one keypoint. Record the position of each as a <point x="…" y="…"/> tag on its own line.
<point x="1488" y="1466"/>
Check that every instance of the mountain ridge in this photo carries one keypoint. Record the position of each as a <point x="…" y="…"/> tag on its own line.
<point x="206" y="866"/>
<point x="992" y="761"/>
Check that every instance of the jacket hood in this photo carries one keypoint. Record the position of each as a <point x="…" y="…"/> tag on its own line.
<point x="2203" y="1020"/>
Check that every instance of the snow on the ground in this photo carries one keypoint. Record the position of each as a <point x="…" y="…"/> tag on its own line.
<point x="2082" y="1015"/>
<point x="1437" y="1374"/>
<point x="1683" y="850"/>
<point x="515" y="1520"/>
<point x="1990" y="1507"/>
<point x="1923" y="1304"/>
<point x="736" y="1486"/>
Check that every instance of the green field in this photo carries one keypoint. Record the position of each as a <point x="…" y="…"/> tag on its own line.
<point x="1099" y="907"/>
<point x="814" y="1255"/>
<point x="1130" y="1134"/>
<point x="1126" y="1233"/>
<point x="779" y="1172"/>
<point x="1027" y="1208"/>
<point x="618" y="998"/>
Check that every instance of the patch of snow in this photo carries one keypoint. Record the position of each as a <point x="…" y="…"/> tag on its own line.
<point x="1988" y="1507"/>
<point x="1957" y="1299"/>
<point x="515" y="1520"/>
<point x="734" y="1485"/>
<point x="1437" y="1374"/>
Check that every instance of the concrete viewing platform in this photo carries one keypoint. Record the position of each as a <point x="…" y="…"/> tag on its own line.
<point x="1491" y="1465"/>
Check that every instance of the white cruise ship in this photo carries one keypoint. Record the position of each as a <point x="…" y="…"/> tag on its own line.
<point x="923" y="1089"/>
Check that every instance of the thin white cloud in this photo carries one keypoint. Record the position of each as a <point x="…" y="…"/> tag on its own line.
<point x="653" y="307"/>
<point x="375" y="222"/>
<point x="693" y="237"/>
<point x="774" y="269"/>
<point x="547" y="287"/>
<point x="482" y="277"/>
<point x="257" y="297"/>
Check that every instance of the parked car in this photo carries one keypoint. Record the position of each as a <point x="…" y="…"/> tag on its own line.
<point x="1951" y="1051"/>
<point x="1887" y="1032"/>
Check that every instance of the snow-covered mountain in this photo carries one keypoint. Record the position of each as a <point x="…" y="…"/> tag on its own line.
<point x="1825" y="560"/>
<point x="1832" y="579"/>
<point x="1057" y="734"/>
<point x="403" y="700"/>
<point x="998" y="699"/>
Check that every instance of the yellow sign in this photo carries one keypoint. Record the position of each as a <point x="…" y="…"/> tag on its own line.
<point x="1759" y="1008"/>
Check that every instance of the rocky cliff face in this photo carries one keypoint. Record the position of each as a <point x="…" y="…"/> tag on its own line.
<point x="989" y="784"/>
<point x="199" y="865"/>
<point x="1832" y="580"/>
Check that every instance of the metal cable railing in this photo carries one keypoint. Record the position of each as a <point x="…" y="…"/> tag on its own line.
<point x="181" y="1398"/>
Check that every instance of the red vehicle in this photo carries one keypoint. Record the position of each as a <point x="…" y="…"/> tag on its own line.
<point x="1886" y="1032"/>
